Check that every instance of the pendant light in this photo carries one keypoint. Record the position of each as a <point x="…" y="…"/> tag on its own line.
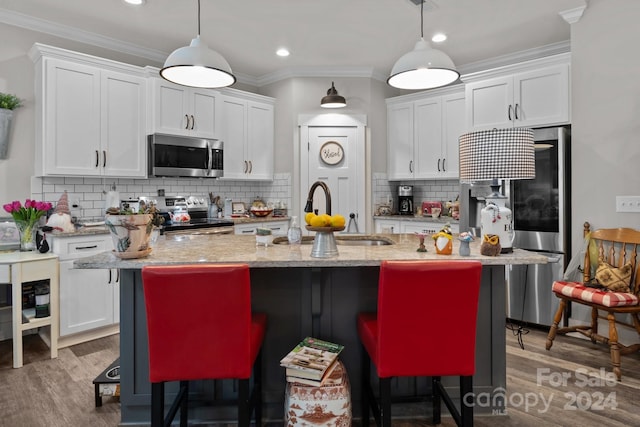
<point x="424" y="67"/>
<point x="197" y="66"/>
<point x="333" y="100"/>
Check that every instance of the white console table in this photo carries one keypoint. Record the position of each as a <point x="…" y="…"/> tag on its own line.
<point x="17" y="268"/>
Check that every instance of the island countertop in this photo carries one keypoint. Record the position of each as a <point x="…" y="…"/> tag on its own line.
<point x="186" y="249"/>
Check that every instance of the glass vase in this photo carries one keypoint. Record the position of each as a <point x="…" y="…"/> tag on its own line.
<point x="28" y="231"/>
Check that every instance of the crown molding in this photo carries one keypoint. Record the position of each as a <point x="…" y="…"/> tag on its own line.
<point x="43" y="26"/>
<point x="573" y="15"/>
<point x="39" y="25"/>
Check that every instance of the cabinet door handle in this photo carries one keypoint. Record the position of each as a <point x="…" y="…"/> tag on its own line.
<point x="247" y="231"/>
<point x="186" y="116"/>
<point x="444" y="169"/>
<point x="438" y="165"/>
<point x="82" y="248"/>
<point x="411" y="166"/>
<point x="250" y="166"/>
<point x="118" y="276"/>
<point x="193" y="122"/>
<point x="109" y="276"/>
<point x="517" y="118"/>
<point x="246" y="167"/>
<point x="104" y="158"/>
<point x="509" y="112"/>
<point x="97" y="158"/>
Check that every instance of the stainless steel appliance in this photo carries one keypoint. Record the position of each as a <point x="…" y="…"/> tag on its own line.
<point x="542" y="223"/>
<point x="198" y="209"/>
<point x="405" y="200"/>
<point x="171" y="155"/>
<point x="541" y="220"/>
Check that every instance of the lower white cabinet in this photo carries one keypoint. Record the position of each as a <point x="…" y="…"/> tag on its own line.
<point x="405" y="226"/>
<point x="425" y="227"/>
<point x="276" y="227"/>
<point x="89" y="299"/>
<point x="387" y="226"/>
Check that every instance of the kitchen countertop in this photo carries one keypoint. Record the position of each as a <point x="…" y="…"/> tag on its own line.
<point x="87" y="231"/>
<point x="229" y="248"/>
<point x="414" y="218"/>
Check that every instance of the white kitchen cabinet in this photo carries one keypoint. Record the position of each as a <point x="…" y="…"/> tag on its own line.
<point x="89" y="299"/>
<point x="400" y="160"/>
<point x="248" y="135"/>
<point x="278" y="228"/>
<point x="531" y="98"/>
<point x="423" y="135"/>
<point x="180" y="110"/>
<point x="386" y="226"/>
<point x="425" y="227"/>
<point x="90" y="118"/>
<point x="400" y="225"/>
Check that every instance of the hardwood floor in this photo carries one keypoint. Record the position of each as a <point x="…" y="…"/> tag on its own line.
<point x="59" y="392"/>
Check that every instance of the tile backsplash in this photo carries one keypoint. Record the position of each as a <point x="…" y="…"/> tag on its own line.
<point x="87" y="195"/>
<point x="435" y="189"/>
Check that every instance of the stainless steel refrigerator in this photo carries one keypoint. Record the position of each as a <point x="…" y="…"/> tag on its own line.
<point x="542" y="223"/>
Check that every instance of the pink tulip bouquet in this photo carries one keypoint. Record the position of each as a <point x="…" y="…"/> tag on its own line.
<point x="30" y="212"/>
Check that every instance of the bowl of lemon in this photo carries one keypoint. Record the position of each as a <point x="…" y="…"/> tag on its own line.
<point x="324" y="243"/>
<point x="324" y="223"/>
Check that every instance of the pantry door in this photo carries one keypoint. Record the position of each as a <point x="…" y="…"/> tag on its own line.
<point x="335" y="155"/>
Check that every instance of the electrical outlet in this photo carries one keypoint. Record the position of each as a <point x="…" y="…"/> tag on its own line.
<point x="627" y="203"/>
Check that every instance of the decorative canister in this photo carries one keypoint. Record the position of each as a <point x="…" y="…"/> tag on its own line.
<point x="327" y="405"/>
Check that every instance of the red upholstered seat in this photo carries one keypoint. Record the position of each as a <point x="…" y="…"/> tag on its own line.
<point x="584" y="293"/>
<point x="200" y="326"/>
<point x="407" y="336"/>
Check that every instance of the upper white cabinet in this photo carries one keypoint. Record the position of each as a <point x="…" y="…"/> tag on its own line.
<point x="179" y="110"/>
<point x="423" y="133"/>
<point x="248" y="136"/>
<point x="533" y="94"/>
<point x="90" y="115"/>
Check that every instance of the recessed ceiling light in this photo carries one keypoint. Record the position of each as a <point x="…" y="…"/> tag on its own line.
<point x="438" y="38"/>
<point x="135" y="2"/>
<point x="282" y="52"/>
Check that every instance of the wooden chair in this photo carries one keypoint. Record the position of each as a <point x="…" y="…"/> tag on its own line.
<point x="200" y="327"/>
<point x="617" y="247"/>
<point x="406" y="337"/>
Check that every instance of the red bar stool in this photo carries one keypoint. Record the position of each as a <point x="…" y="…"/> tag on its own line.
<point x="407" y="337"/>
<point x="200" y="326"/>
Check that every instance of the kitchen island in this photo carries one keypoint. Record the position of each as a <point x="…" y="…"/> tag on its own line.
<point x="303" y="296"/>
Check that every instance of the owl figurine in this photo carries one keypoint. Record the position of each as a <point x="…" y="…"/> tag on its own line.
<point x="490" y="245"/>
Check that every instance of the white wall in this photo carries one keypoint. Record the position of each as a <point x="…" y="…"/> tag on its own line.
<point x="605" y="113"/>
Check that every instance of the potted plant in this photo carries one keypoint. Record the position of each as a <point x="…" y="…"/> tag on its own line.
<point x="131" y="230"/>
<point x="8" y="103"/>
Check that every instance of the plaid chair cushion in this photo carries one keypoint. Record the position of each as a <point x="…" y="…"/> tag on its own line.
<point x="606" y="298"/>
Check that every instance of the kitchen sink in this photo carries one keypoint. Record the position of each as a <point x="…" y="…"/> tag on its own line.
<point x="344" y="239"/>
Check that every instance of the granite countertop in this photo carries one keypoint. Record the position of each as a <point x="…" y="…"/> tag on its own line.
<point x="88" y="231"/>
<point x="414" y="218"/>
<point x="229" y="248"/>
<point x="247" y="220"/>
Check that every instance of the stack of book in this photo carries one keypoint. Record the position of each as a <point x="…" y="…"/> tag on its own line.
<point x="314" y="362"/>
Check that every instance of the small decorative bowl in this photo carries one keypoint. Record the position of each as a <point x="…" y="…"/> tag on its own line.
<point x="261" y="212"/>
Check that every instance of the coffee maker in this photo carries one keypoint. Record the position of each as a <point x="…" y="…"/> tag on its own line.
<point x="405" y="200"/>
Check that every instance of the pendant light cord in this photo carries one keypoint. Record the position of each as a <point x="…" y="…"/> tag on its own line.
<point x="421" y="18"/>
<point x="198" y="17"/>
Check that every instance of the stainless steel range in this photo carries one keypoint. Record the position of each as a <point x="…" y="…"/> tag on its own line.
<point x="197" y="209"/>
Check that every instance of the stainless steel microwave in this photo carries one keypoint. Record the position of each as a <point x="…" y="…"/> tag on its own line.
<point x="171" y="155"/>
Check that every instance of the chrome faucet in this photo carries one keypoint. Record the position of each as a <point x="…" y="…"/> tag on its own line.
<point x="327" y="195"/>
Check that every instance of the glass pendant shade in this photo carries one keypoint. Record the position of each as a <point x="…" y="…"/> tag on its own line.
<point x="333" y="100"/>
<point x="197" y="66"/>
<point x="423" y="68"/>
